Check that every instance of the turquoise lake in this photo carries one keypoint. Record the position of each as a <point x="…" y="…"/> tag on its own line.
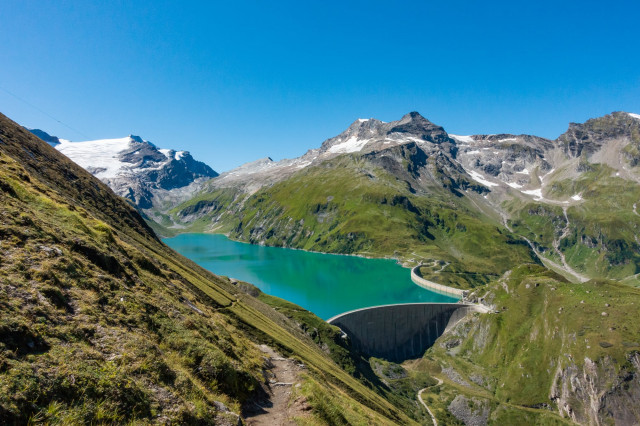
<point x="325" y="284"/>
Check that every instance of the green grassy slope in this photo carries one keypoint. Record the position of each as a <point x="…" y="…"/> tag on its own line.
<point x="554" y="347"/>
<point x="100" y="322"/>
<point x="601" y="240"/>
<point x="352" y="204"/>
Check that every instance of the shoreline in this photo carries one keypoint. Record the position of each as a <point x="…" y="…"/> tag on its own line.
<point x="294" y="248"/>
<point x="415" y="278"/>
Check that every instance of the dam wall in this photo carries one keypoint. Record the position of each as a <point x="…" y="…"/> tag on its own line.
<point x="403" y="331"/>
<point x="438" y="288"/>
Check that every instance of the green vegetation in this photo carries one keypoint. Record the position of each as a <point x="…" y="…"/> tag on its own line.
<point x="600" y="241"/>
<point x="398" y="385"/>
<point x="352" y="205"/>
<point x="101" y="323"/>
<point x="548" y="337"/>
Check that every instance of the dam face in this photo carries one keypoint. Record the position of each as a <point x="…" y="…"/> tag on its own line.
<point x="399" y="332"/>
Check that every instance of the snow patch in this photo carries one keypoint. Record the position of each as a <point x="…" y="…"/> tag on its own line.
<point x="550" y="171"/>
<point x="535" y="192"/>
<point x="467" y="139"/>
<point x="180" y="154"/>
<point x="101" y="153"/>
<point x="479" y="178"/>
<point x="577" y="197"/>
<point x="514" y="185"/>
<point x="636" y="116"/>
<point x="473" y="152"/>
<point x="508" y="139"/>
<point x="350" y="145"/>
<point x="524" y="171"/>
<point x="363" y="120"/>
<point x="412" y="139"/>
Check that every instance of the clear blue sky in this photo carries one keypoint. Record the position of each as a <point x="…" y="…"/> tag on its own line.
<point x="235" y="81"/>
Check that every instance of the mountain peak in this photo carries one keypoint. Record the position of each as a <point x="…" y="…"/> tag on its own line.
<point x="416" y="124"/>
<point x="413" y="115"/>
<point x="367" y="123"/>
<point x="50" y="139"/>
<point x="636" y="116"/>
<point x="590" y="136"/>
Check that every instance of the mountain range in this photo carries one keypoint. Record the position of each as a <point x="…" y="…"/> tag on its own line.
<point x="475" y="202"/>
<point x="543" y="232"/>
<point x="136" y="169"/>
<point x="102" y="323"/>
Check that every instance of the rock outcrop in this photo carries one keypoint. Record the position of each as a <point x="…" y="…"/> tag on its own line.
<point x="136" y="169"/>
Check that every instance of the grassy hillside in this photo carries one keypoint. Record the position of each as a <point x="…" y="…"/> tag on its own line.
<point x="598" y="236"/>
<point x="360" y="204"/>
<point x="552" y="348"/>
<point x="100" y="322"/>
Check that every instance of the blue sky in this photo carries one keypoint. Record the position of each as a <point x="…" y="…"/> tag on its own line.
<point x="236" y="81"/>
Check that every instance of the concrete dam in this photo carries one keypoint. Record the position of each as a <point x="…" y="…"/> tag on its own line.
<point x="403" y="331"/>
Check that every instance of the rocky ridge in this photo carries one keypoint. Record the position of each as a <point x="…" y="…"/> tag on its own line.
<point x="547" y="191"/>
<point x="136" y="169"/>
<point x="362" y="136"/>
<point x="500" y="162"/>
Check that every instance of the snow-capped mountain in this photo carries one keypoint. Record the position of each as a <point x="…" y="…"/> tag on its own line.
<point x="365" y="135"/>
<point x="136" y="169"/>
<point x="362" y="136"/>
<point x="573" y="200"/>
<point x="530" y="166"/>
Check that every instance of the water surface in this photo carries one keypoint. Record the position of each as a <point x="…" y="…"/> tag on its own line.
<point x="325" y="284"/>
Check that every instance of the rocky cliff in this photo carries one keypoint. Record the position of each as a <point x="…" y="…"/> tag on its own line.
<point x="549" y="347"/>
<point x="136" y="169"/>
<point x="585" y="183"/>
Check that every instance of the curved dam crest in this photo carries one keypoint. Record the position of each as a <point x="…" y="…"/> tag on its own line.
<point x="401" y="331"/>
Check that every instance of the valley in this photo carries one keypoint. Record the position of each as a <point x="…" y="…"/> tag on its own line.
<point x="543" y="234"/>
<point x="319" y="213"/>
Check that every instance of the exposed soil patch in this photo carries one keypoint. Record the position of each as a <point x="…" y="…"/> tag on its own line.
<point x="277" y="407"/>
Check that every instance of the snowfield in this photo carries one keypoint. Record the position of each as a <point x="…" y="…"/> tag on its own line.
<point x="100" y="154"/>
<point x="479" y="178"/>
<point x="465" y="139"/>
<point x="350" y="145"/>
<point x="535" y="192"/>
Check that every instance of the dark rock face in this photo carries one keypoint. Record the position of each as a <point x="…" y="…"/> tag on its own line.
<point x="587" y="138"/>
<point x="156" y="173"/>
<point x="141" y="153"/>
<point x="51" y="140"/>
<point x="147" y="173"/>
<point x="423" y="166"/>
<point x="414" y="123"/>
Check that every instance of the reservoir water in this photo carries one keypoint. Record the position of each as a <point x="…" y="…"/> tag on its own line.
<point x="325" y="284"/>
